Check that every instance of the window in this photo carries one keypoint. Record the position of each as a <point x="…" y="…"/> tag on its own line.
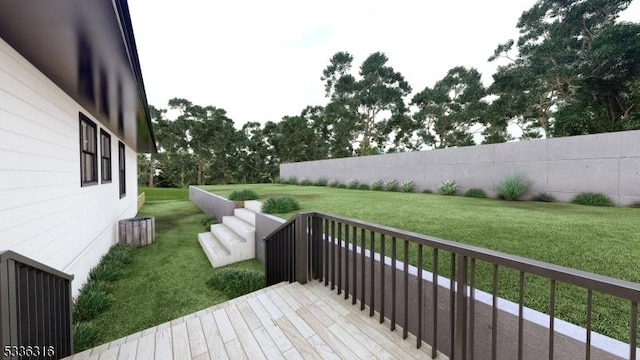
<point x="122" y="170"/>
<point x="88" y="152"/>
<point x="105" y="151"/>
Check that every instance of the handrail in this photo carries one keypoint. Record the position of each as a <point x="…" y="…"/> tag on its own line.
<point x="337" y="250"/>
<point x="627" y="289"/>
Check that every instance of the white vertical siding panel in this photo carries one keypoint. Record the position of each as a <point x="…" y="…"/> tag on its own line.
<point x="44" y="212"/>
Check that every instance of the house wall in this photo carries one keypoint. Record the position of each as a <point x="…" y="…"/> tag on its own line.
<point x="606" y="163"/>
<point x="44" y="212"/>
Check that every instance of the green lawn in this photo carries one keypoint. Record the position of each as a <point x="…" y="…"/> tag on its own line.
<point x="166" y="280"/>
<point x="595" y="239"/>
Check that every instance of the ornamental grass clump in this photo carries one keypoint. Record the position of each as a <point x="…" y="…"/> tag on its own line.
<point x="544" y="197"/>
<point x="376" y="185"/>
<point x="407" y="186"/>
<point x="512" y="187"/>
<point x="292" y="180"/>
<point x="237" y="282"/>
<point x="304" y="181"/>
<point x="320" y="182"/>
<point x="592" y="199"/>
<point x="391" y="185"/>
<point x="363" y="187"/>
<point x="243" y="195"/>
<point x="448" y="187"/>
<point x="352" y="184"/>
<point x="280" y="205"/>
<point x="475" y="193"/>
<point x="332" y="183"/>
<point x="85" y="336"/>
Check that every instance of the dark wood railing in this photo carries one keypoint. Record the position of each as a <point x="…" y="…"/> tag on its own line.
<point x="338" y="251"/>
<point x="35" y="309"/>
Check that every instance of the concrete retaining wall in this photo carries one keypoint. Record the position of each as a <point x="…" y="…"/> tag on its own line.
<point x="606" y="163"/>
<point x="265" y="225"/>
<point x="211" y="204"/>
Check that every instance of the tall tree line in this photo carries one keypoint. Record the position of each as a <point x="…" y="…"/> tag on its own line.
<point x="573" y="70"/>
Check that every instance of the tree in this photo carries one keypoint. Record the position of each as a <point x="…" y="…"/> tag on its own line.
<point x="576" y="69"/>
<point x="368" y="109"/>
<point x="257" y="163"/>
<point x="447" y="111"/>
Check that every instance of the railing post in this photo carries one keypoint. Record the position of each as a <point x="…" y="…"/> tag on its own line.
<point x="460" y="344"/>
<point x="302" y="249"/>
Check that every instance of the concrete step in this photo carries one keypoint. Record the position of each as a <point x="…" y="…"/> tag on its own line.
<point x="217" y="254"/>
<point x="241" y="228"/>
<point x="245" y="215"/>
<point x="253" y="205"/>
<point x="226" y="236"/>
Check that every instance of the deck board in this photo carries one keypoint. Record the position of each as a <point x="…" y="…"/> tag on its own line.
<point x="286" y="321"/>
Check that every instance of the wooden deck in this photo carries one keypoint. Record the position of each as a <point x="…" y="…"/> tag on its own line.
<point x="285" y="321"/>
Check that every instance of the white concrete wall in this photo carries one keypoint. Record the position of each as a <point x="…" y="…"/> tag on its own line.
<point x="563" y="167"/>
<point x="44" y="212"/>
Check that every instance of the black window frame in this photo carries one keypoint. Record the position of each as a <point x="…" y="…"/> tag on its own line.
<point x="106" y="175"/>
<point x="122" y="169"/>
<point x="86" y="153"/>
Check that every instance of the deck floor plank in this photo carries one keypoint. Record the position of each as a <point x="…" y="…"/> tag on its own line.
<point x="285" y="321"/>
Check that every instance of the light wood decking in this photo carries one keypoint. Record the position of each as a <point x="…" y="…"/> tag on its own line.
<point x="285" y="321"/>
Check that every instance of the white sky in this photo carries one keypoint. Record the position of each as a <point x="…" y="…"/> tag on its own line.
<point x="262" y="60"/>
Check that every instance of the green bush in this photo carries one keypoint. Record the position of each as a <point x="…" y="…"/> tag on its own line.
<point x="106" y="272"/>
<point x="292" y="180"/>
<point x="85" y="336"/>
<point x="635" y="205"/>
<point x="89" y="304"/>
<point x="280" y="205"/>
<point x="475" y="193"/>
<point x="119" y="255"/>
<point x="242" y="195"/>
<point x="208" y="221"/>
<point x="427" y="191"/>
<point x="363" y="187"/>
<point x="320" y="182"/>
<point x="277" y="180"/>
<point x="352" y="184"/>
<point x="237" y="282"/>
<point x="96" y="286"/>
<point x="448" y="187"/>
<point x="407" y="186"/>
<point x="304" y="182"/>
<point x="342" y="186"/>
<point x="391" y="185"/>
<point x="512" y="187"/>
<point x="332" y="183"/>
<point x="544" y="197"/>
<point x="592" y="199"/>
<point x="376" y="185"/>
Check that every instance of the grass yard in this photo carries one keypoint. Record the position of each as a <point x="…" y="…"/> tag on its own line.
<point x="166" y="280"/>
<point x="595" y="239"/>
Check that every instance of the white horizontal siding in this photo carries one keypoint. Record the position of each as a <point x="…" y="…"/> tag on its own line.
<point x="44" y="212"/>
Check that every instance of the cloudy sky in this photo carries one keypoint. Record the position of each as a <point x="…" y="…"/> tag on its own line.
<point x="261" y="60"/>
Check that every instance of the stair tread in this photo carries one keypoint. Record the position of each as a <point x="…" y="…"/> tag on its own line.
<point x="246" y="215"/>
<point x="212" y="247"/>
<point x="253" y="205"/>
<point x="225" y="234"/>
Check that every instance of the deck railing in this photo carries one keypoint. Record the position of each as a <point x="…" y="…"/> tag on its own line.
<point x="35" y="309"/>
<point x="337" y="251"/>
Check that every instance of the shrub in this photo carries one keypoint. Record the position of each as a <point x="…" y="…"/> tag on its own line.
<point x="106" y="272"/>
<point x="237" y="282"/>
<point x="592" y="199"/>
<point x="376" y="185"/>
<point x="342" y="186"/>
<point x="304" y="182"/>
<point x="242" y="195"/>
<point x="208" y="221"/>
<point x="320" y="182"/>
<point x="96" y="286"/>
<point x="119" y="255"/>
<point x="427" y="191"/>
<point x="391" y="185"/>
<point x="89" y="304"/>
<point x="544" y="197"/>
<point x="277" y="180"/>
<point x="352" y="184"/>
<point x="292" y="180"/>
<point x="279" y="205"/>
<point x="512" y="187"/>
<point x="448" y="187"/>
<point x="363" y="187"/>
<point x="407" y="186"/>
<point x="475" y="193"/>
<point x="635" y="205"/>
<point x="85" y="336"/>
<point x="332" y="183"/>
